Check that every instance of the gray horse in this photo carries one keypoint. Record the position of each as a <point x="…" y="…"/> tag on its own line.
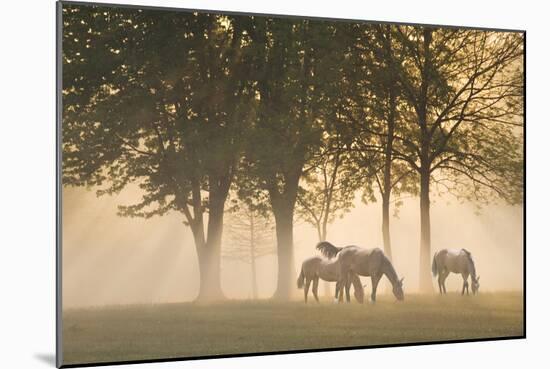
<point x="455" y="261"/>
<point x="316" y="268"/>
<point x="364" y="262"/>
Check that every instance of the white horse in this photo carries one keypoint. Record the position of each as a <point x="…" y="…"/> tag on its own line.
<point x="327" y="270"/>
<point x="455" y="261"/>
<point x="364" y="262"/>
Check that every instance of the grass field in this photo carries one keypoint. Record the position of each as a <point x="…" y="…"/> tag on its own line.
<point x="143" y="332"/>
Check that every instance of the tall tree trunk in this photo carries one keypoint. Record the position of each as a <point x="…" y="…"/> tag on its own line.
<point x="210" y="254"/>
<point x="425" y="232"/>
<point x="209" y="270"/>
<point x="283" y="204"/>
<point x="386" y="193"/>
<point x="322" y="232"/>
<point x="253" y="259"/>
<point x="386" y="225"/>
<point x="285" y="251"/>
<point x="425" y="166"/>
<point x="254" y="279"/>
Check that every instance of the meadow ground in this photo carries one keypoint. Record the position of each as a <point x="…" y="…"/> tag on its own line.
<point x="143" y="332"/>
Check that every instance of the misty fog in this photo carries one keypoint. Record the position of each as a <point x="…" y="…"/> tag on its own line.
<point x="109" y="260"/>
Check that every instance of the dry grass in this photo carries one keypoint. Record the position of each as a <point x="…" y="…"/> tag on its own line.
<point x="185" y="330"/>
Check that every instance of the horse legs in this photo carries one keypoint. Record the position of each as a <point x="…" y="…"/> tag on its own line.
<point x="343" y="281"/>
<point x="336" y="293"/>
<point x="341" y="289"/>
<point x="306" y="289"/>
<point x="314" y="289"/>
<point x="348" y="285"/>
<point x="375" y="278"/>
<point x="465" y="285"/>
<point x="443" y="278"/>
<point x="441" y="282"/>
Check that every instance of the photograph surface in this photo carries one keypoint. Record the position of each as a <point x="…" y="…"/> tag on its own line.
<point x="240" y="184"/>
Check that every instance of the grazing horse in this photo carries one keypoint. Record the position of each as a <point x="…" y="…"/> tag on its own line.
<point x="365" y="262"/>
<point x="327" y="270"/>
<point x="455" y="261"/>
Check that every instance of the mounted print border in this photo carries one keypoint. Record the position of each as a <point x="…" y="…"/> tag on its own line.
<point x="258" y="139"/>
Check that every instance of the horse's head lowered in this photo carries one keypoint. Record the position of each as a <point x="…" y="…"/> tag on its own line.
<point x="398" y="290"/>
<point x="475" y="284"/>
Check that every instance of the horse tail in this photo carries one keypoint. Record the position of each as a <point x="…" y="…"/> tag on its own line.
<point x="328" y="249"/>
<point x="434" y="266"/>
<point x="301" y="277"/>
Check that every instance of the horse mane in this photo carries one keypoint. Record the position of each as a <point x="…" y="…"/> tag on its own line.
<point x="391" y="273"/>
<point x="471" y="260"/>
<point x="468" y="255"/>
<point x="328" y="249"/>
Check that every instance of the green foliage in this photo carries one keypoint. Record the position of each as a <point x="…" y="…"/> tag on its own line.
<point x="327" y="188"/>
<point x="464" y="92"/>
<point x="188" y="106"/>
<point x="170" y="101"/>
<point x="155" y="99"/>
<point x="287" y="129"/>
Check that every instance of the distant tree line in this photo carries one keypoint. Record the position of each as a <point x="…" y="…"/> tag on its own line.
<point x="294" y="116"/>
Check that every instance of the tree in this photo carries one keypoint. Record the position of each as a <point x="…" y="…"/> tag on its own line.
<point x="248" y="237"/>
<point x="157" y="100"/>
<point x="288" y="126"/>
<point x="375" y="117"/>
<point x="326" y="192"/>
<point x="464" y="92"/>
<point x="329" y="184"/>
<point x="185" y="105"/>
